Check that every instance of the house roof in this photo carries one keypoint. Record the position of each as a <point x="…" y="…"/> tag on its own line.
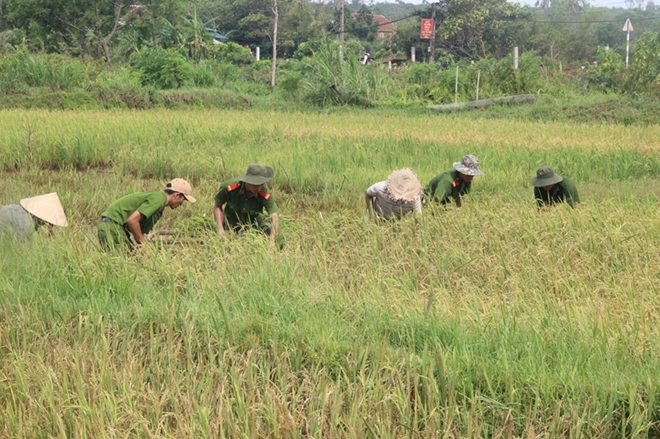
<point x="384" y="24"/>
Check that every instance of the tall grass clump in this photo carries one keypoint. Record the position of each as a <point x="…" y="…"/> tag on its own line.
<point x="332" y="80"/>
<point x="22" y="70"/>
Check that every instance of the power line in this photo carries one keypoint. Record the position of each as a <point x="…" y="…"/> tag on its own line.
<point x="575" y="21"/>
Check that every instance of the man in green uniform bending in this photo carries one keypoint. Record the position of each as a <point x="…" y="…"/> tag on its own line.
<point x="136" y="214"/>
<point x="453" y="184"/>
<point x="550" y="188"/>
<point x="240" y="202"/>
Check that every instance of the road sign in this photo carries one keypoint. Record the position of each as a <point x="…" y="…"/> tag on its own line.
<point x="628" y="26"/>
<point x="426" y="30"/>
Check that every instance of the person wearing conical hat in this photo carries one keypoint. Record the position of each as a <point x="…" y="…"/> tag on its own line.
<point x="23" y="220"/>
<point x="400" y="194"/>
<point x="453" y="184"/>
<point x="551" y="189"/>
<point x="240" y="202"/>
<point x="136" y="214"/>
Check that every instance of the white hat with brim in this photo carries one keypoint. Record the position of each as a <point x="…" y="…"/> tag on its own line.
<point x="47" y="208"/>
<point x="403" y="185"/>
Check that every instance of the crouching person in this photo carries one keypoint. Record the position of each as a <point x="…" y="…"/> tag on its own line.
<point x="21" y="221"/>
<point x="135" y="215"/>
<point x="400" y="194"/>
<point x="240" y="202"/>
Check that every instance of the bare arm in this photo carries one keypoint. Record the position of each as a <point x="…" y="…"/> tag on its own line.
<point x="458" y="201"/>
<point x="275" y="225"/>
<point x="133" y="223"/>
<point x="369" y="200"/>
<point x="219" y="216"/>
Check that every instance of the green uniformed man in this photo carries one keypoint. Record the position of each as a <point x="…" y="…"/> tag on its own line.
<point x="136" y="214"/>
<point x="21" y="221"/>
<point x="455" y="183"/>
<point x="550" y="188"/>
<point x="240" y="202"/>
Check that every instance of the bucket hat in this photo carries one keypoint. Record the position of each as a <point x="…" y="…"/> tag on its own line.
<point x="403" y="185"/>
<point x="47" y="208"/>
<point x="469" y="165"/>
<point x="258" y="174"/>
<point x="183" y="187"/>
<point x="545" y="176"/>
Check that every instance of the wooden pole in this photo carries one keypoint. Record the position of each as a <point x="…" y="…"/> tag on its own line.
<point x="341" y="29"/>
<point x="478" y="79"/>
<point x="456" y="87"/>
<point x="273" y="65"/>
<point x="432" y="47"/>
<point x="515" y="58"/>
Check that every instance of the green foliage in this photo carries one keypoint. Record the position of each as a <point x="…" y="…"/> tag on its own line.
<point x="231" y="53"/>
<point x="161" y="68"/>
<point x="332" y="80"/>
<point x="20" y="70"/>
<point x="609" y="73"/>
<point x="646" y="61"/>
<point x="203" y="75"/>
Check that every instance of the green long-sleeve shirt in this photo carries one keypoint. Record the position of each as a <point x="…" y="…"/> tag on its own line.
<point x="563" y="191"/>
<point x="446" y="186"/>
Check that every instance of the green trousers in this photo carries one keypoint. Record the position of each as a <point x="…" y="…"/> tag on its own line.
<point x="113" y="236"/>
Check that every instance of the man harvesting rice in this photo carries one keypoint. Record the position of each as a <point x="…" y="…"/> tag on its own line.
<point x="240" y="202"/>
<point x="551" y="189"/>
<point x="453" y="184"/>
<point x="21" y="221"/>
<point x="400" y="194"/>
<point x="136" y="214"/>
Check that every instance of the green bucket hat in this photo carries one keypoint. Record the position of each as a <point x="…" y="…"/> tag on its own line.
<point x="545" y="176"/>
<point x="258" y="174"/>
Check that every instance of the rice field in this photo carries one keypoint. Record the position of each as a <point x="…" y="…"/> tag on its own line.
<point x="495" y="320"/>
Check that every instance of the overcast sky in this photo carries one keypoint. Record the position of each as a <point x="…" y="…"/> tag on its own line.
<point x="600" y="3"/>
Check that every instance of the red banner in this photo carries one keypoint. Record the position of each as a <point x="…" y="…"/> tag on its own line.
<point x="426" y="31"/>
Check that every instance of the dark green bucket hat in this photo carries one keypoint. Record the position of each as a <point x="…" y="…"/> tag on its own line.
<point x="258" y="174"/>
<point x="545" y="176"/>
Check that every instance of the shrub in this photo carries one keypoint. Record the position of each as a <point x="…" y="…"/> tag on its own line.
<point x="161" y="68"/>
<point x="231" y="53"/>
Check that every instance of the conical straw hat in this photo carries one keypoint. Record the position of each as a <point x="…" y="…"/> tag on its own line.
<point x="47" y="208"/>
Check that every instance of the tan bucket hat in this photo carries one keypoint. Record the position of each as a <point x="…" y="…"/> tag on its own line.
<point x="403" y="185"/>
<point x="47" y="208"/>
<point x="183" y="187"/>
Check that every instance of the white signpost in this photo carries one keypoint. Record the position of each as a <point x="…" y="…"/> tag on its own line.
<point x="627" y="28"/>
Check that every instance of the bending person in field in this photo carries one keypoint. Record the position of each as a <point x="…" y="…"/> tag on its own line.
<point x="21" y="221"/>
<point x="453" y="184"/>
<point x="136" y="214"/>
<point x="550" y="188"/>
<point x="400" y="194"/>
<point x="240" y="202"/>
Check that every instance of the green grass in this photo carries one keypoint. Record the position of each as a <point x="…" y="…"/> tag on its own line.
<point x="494" y="320"/>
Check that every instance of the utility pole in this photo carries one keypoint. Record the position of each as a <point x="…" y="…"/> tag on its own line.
<point x="341" y="29"/>
<point x="432" y="48"/>
<point x="273" y="65"/>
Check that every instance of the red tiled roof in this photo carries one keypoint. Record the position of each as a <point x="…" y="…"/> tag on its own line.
<point x="384" y="24"/>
